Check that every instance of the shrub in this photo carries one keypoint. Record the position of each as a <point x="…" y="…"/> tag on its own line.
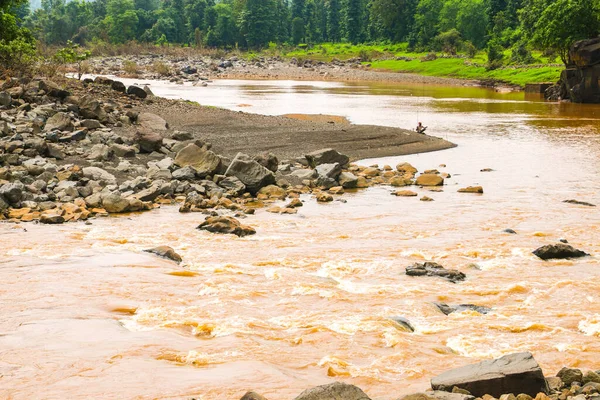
<point x="449" y="41"/>
<point x="364" y="55"/>
<point x="130" y="68"/>
<point x="72" y="54"/>
<point x="495" y="55"/>
<point x="521" y="54"/>
<point x="161" y="68"/>
<point x="469" y="49"/>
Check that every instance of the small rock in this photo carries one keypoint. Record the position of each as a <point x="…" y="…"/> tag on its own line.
<point x="204" y="162"/>
<point x="581" y="203"/>
<point x="430" y="268"/>
<point x="148" y="140"/>
<point x="406" y="167"/>
<point x="268" y="160"/>
<point x="152" y="122"/>
<point x="326" y="156"/>
<point x="426" y="198"/>
<point x="324" y="198"/>
<point x="252" y="396"/>
<point x="429" y="180"/>
<point x="51" y="219"/>
<point x="137" y="91"/>
<point x="404" y="323"/>
<point x="511" y="231"/>
<point x="471" y="189"/>
<point x="591" y="376"/>
<point x="114" y="203"/>
<point x="165" y="252"/>
<point x="228" y="225"/>
<point x="404" y="193"/>
<point x="446" y="309"/>
<point x="348" y="180"/>
<point x="333" y="391"/>
<point x="118" y="86"/>
<point x="60" y="121"/>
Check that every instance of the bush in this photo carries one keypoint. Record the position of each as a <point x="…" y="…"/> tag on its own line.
<point x="364" y="55"/>
<point x="495" y="55"/>
<point x="520" y="54"/>
<point x="449" y="41"/>
<point x="17" y="48"/>
<point x="161" y="68"/>
<point x="130" y="68"/>
<point x="469" y="49"/>
<point x="72" y="54"/>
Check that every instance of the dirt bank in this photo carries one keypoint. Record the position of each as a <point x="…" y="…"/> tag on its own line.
<point x="231" y="132"/>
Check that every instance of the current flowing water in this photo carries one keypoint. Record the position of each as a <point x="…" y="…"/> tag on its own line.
<point x="85" y="314"/>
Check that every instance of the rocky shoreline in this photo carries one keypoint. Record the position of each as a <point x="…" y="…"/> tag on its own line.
<point x="512" y="377"/>
<point x="92" y="148"/>
<point x="200" y="70"/>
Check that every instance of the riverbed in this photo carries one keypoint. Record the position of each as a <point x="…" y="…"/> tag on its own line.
<point x="307" y="300"/>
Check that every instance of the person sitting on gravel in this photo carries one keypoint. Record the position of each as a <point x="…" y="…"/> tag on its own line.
<point x="421" y="128"/>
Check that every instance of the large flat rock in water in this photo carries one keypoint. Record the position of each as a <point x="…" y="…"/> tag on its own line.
<point x="514" y="373"/>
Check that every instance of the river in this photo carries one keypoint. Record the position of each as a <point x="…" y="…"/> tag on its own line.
<point x="307" y="300"/>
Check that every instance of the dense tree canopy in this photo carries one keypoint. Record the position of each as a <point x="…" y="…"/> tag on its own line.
<point x="446" y="25"/>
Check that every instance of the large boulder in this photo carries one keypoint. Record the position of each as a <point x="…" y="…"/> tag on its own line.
<point x="91" y="108"/>
<point x="152" y="121"/>
<point x="137" y="91"/>
<point x="333" y="391"/>
<point x="12" y="192"/>
<point x="329" y="170"/>
<point x="233" y="185"/>
<point x="326" y="156"/>
<point x="5" y="99"/>
<point x="165" y="252"/>
<point x="148" y="140"/>
<point x="513" y="373"/>
<point x="558" y="250"/>
<point x="115" y="203"/>
<point x="228" y="225"/>
<point x="430" y="180"/>
<point x="53" y="90"/>
<point x="348" y="180"/>
<point x="205" y="162"/>
<point x="268" y="160"/>
<point x="251" y="173"/>
<point x="60" y="121"/>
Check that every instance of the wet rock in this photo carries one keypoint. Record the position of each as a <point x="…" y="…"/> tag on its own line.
<point x="404" y="323"/>
<point x="430" y="180"/>
<point x="52" y="219"/>
<point x="406" y="168"/>
<point x="152" y="121"/>
<point x="204" y="162"/>
<point x="250" y="173"/>
<point x="253" y="396"/>
<point x="329" y="170"/>
<point x="399" y="181"/>
<point x="513" y="373"/>
<point x="581" y="203"/>
<point x="511" y="231"/>
<point x="326" y="156"/>
<point x="118" y="86"/>
<point x="148" y="194"/>
<point x="570" y="375"/>
<point x="227" y="225"/>
<point x="165" y="252"/>
<point x="471" y="189"/>
<point x="268" y="160"/>
<point x="333" y="391"/>
<point x="60" y="121"/>
<point x="348" y="180"/>
<point x="426" y="198"/>
<point x="137" y="91"/>
<point x="233" y="185"/>
<point x="148" y="140"/>
<point x="558" y="251"/>
<point x="404" y="193"/>
<point x="438" y="395"/>
<point x="430" y="268"/>
<point x="273" y="192"/>
<point x="446" y="309"/>
<point x="114" y="203"/>
<point x="189" y="70"/>
<point x="324" y="198"/>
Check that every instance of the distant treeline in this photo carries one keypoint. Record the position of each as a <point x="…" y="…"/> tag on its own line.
<point x="443" y="25"/>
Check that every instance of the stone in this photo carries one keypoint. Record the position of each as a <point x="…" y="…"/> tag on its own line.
<point x="591" y="376"/>
<point x="148" y="90"/>
<point x="446" y="309"/>
<point x="250" y="173"/>
<point x="426" y="198"/>
<point x="184" y="174"/>
<point x="60" y="121"/>
<point x="118" y="86"/>
<point x="91" y="108"/>
<point x="303" y="174"/>
<point x="370" y="172"/>
<point x="273" y="191"/>
<point x="148" y="140"/>
<point x="55" y="151"/>
<point x="511" y="231"/>
<point x="406" y="168"/>
<point x="332" y="170"/>
<point x="152" y="121"/>
<point x="12" y="192"/>
<point x="580" y="203"/>
<point x="51" y="219"/>
<point x="267" y="160"/>
<point x="430" y="180"/>
<point x="399" y="181"/>
<point x="252" y="396"/>
<point x="137" y="91"/>
<point x="165" y="252"/>
<point x="114" y="203"/>
<point x="554" y="383"/>
<point x="148" y="194"/>
<point x="326" y="156"/>
<point x="333" y="391"/>
<point x="122" y="150"/>
<point x="324" y="198"/>
<point x="5" y="99"/>
<point x="102" y="80"/>
<point x="99" y="174"/>
<point x="204" y="162"/>
<point x="570" y="375"/>
<point x="294" y="203"/>
<point x="430" y="268"/>
<point x="348" y="180"/>
<point x="471" y="189"/>
<point x="227" y="225"/>
<point x="90" y="124"/>
<point x="403" y="323"/>
<point x="513" y="373"/>
<point x="558" y="251"/>
<point x="455" y="395"/>
<point x="100" y="152"/>
<point x="53" y="90"/>
<point x="404" y="193"/>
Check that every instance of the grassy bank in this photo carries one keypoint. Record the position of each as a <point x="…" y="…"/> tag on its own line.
<point x="396" y="58"/>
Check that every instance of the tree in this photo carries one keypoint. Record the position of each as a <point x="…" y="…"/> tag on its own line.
<point x="297" y="30"/>
<point x="256" y="22"/>
<point x="352" y="20"/>
<point x="426" y="21"/>
<point x="557" y="24"/>
<point x="333" y="20"/>
<point x="121" y="20"/>
<point x="393" y="17"/>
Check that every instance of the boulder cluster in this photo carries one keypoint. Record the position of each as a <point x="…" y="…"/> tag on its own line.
<point x="512" y="377"/>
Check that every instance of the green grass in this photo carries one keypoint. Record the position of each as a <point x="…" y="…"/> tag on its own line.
<point x="384" y="58"/>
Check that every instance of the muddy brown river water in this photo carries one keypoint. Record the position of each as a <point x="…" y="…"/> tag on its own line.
<point x="307" y="300"/>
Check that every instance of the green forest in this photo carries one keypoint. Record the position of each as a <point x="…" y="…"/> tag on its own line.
<point x="499" y="28"/>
